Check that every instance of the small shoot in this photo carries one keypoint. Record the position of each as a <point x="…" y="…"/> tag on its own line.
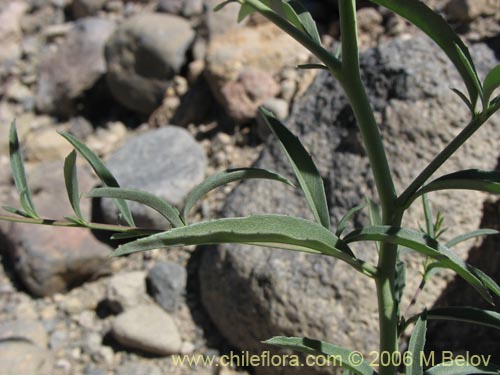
<point x="19" y="175"/>
<point x="71" y="181"/>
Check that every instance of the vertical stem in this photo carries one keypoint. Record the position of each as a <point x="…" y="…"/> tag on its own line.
<point x="350" y="79"/>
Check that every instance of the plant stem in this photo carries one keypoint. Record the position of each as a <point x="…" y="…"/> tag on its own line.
<point x="350" y="79"/>
<point x="63" y="223"/>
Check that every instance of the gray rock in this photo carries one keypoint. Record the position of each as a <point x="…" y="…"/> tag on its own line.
<point x="147" y="328"/>
<point x="49" y="260"/>
<point x="252" y="294"/>
<point x="144" y="53"/>
<point x="136" y="368"/>
<point x="218" y="23"/>
<point x="74" y="67"/>
<point x="167" y="283"/>
<point x="468" y="10"/>
<point x="22" y="329"/>
<point x="10" y="30"/>
<point x="126" y="290"/>
<point x="186" y="8"/>
<point x="86" y="8"/>
<point x="167" y="162"/>
<point x="18" y="357"/>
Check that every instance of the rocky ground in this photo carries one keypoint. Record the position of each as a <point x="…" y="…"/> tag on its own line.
<point x="166" y="92"/>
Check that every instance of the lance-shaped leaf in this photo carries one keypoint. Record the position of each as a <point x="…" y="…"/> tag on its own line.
<point x="345" y="219"/>
<point x="443" y="35"/>
<point x="459" y="368"/>
<point x="416" y="346"/>
<point x="469" y="179"/>
<point x="306" y="20"/>
<point x="277" y="231"/>
<point x="159" y="205"/>
<point x="471" y="315"/>
<point x="102" y="172"/>
<point x="245" y="11"/>
<point x="226" y="177"/>
<point x="425" y="245"/>
<point x="486" y="280"/>
<point x="491" y="83"/>
<point x="71" y="180"/>
<point x="429" y="220"/>
<point x="464" y="98"/>
<point x="18" y="173"/>
<point x="344" y="357"/>
<point x="467" y="236"/>
<point x="305" y="170"/>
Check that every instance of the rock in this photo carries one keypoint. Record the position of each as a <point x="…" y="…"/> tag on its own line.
<point x="235" y="57"/>
<point x="18" y="357"/>
<point x="140" y="63"/>
<point x="75" y="67"/>
<point x="252" y="294"/>
<point x="10" y="30"/>
<point x="22" y="329"/>
<point x="49" y="260"/>
<point x="147" y="328"/>
<point x="167" y="283"/>
<point x="86" y="8"/>
<point x="278" y="106"/>
<point x="218" y="23"/>
<point x="167" y="162"/>
<point x="242" y="97"/>
<point x="126" y="290"/>
<point x="136" y="368"/>
<point x="46" y="144"/>
<point x="468" y="10"/>
<point x="186" y="8"/>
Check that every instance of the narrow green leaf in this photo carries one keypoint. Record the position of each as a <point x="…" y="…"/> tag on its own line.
<point x="18" y="173"/>
<point x="345" y="219"/>
<point x="399" y="281"/>
<point x="305" y="170"/>
<point x="71" y="180"/>
<point x="442" y="34"/>
<point x="245" y="11"/>
<point x="416" y="346"/>
<point x="374" y="212"/>
<point x="491" y="83"/>
<point x="429" y="220"/>
<point x="469" y="179"/>
<point x="464" y="98"/>
<point x="344" y="357"/>
<point x="128" y="235"/>
<point x="16" y="211"/>
<point x="306" y="21"/>
<point x="464" y="237"/>
<point x="423" y="244"/>
<point x="459" y="368"/>
<point x="223" y="4"/>
<point x="472" y="315"/>
<point x="312" y="66"/>
<point x="102" y="172"/>
<point x="286" y="11"/>
<point x="486" y="280"/>
<point x="159" y="205"/>
<point x="469" y="65"/>
<point x="226" y="177"/>
<point x="263" y="230"/>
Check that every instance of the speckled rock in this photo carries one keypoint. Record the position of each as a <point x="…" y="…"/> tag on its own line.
<point x="18" y="357"/>
<point x="252" y="294"/>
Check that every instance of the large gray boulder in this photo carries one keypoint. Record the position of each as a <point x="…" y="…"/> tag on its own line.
<point x="75" y="67"/>
<point x="144" y="53"/>
<point x="252" y="294"/>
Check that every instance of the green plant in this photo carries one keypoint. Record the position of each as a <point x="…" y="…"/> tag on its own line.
<point x="318" y="237"/>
